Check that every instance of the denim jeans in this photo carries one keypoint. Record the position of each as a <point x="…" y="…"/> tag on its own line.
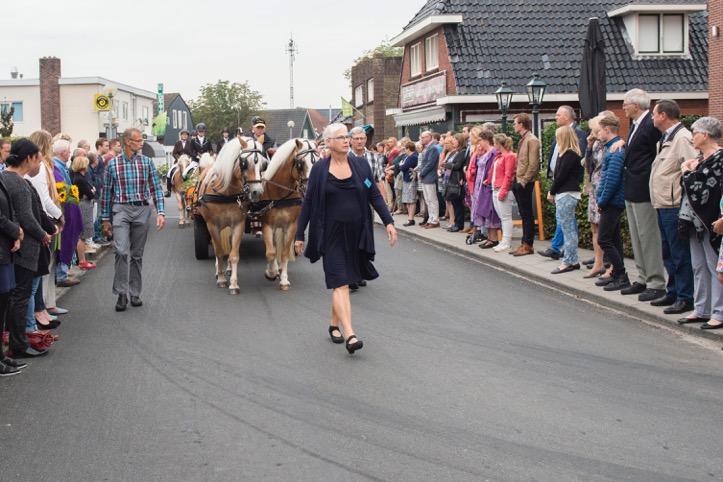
<point x="566" y="221"/>
<point x="61" y="271"/>
<point x="558" y="241"/>
<point x="30" y="323"/>
<point x="676" y="256"/>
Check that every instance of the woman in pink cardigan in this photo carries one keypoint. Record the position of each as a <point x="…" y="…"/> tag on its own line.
<point x="500" y="178"/>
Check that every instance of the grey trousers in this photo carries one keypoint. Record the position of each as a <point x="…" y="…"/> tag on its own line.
<point x="130" y="231"/>
<point x="430" y="197"/>
<point x="647" y="247"/>
<point x="708" y="290"/>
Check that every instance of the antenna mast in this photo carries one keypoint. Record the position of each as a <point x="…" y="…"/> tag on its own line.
<point x="291" y="49"/>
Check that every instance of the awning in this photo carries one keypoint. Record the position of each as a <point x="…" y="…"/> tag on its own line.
<point x="424" y="116"/>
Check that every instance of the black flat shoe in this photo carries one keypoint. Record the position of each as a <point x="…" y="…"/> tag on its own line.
<point x="489" y="244"/>
<point x="567" y="269"/>
<point x="695" y="319"/>
<point x="706" y="326"/>
<point x="29" y="352"/>
<point x="352" y="347"/>
<point x="53" y="324"/>
<point x="13" y="363"/>
<point x="335" y="339"/>
<point x="409" y="223"/>
<point x="122" y="303"/>
<point x="679" y="307"/>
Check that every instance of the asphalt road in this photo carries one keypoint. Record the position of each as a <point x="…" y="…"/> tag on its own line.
<point x="467" y="373"/>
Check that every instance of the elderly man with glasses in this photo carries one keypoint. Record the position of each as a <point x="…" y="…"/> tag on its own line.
<point x="130" y="183"/>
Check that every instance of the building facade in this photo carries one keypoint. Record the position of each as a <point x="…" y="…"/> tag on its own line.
<point x="715" y="57"/>
<point x="375" y="89"/>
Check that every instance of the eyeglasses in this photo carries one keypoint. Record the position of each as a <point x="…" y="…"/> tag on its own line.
<point x="137" y="140"/>
<point x="340" y="138"/>
<point x="357" y="139"/>
<point x="695" y="133"/>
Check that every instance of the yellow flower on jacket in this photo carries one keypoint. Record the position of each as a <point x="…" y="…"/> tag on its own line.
<point x="59" y="185"/>
<point x="62" y="195"/>
<point x="74" y="191"/>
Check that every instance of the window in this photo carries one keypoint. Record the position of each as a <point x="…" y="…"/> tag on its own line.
<point x="370" y="90"/>
<point x="145" y="111"/>
<point x="661" y="33"/>
<point x="175" y="119"/>
<point x="415" y="60"/>
<point x="125" y="111"/>
<point x="17" y="114"/>
<point x="185" y="120"/>
<point x="431" y="52"/>
<point x="358" y="96"/>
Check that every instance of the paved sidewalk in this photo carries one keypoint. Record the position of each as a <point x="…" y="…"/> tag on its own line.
<point x="537" y="269"/>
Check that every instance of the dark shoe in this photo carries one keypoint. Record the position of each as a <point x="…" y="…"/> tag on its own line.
<point x="122" y="303"/>
<point x="67" y="283"/>
<point x="29" y="352"/>
<point x="678" y="307"/>
<point x="604" y="281"/>
<point x="589" y="261"/>
<point x="489" y="244"/>
<point x="431" y="225"/>
<point x="708" y="326"/>
<point x="409" y="223"/>
<point x="695" y="319"/>
<point x="650" y="294"/>
<point x="13" y="363"/>
<point x="524" y="250"/>
<point x="136" y="301"/>
<point x="352" y="347"/>
<point x="664" y="300"/>
<point x="336" y="339"/>
<point x="549" y="254"/>
<point x="362" y="283"/>
<point x="424" y="222"/>
<point x="353" y="286"/>
<point x="596" y="273"/>
<point x="567" y="269"/>
<point x="53" y="324"/>
<point x="7" y="370"/>
<point x="454" y="229"/>
<point x="634" y="289"/>
<point x="620" y="283"/>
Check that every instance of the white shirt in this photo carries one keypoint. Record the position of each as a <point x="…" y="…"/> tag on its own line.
<point x="636" y="124"/>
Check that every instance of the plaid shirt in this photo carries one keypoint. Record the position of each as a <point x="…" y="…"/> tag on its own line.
<point x="130" y="180"/>
<point x="375" y="163"/>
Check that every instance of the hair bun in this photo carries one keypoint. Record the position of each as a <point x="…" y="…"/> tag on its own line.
<point x="12" y="158"/>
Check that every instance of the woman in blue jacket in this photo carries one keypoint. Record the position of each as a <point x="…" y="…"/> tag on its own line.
<point x="341" y="230"/>
<point x="409" y="184"/>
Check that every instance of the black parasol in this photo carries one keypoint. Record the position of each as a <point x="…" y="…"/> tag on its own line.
<point x="593" y="92"/>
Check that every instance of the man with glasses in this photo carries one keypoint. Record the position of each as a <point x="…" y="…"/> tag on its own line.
<point x="130" y="183"/>
<point x="428" y="173"/>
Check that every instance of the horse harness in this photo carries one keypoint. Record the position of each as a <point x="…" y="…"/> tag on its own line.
<point x="243" y="194"/>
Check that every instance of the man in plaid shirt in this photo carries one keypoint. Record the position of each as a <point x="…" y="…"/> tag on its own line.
<point x="130" y="182"/>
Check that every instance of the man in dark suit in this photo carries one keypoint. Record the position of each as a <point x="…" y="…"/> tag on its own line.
<point x="199" y="146"/>
<point x="640" y="152"/>
<point x="565" y="116"/>
<point x="181" y="147"/>
<point x="225" y="137"/>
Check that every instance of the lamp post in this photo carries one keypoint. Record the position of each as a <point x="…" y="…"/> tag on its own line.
<point x="111" y="127"/>
<point x="536" y="92"/>
<point x="291" y="125"/>
<point x="504" y="99"/>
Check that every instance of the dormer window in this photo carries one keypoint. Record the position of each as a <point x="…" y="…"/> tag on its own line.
<point x="415" y="60"/>
<point x="657" y="30"/>
<point x="431" y="52"/>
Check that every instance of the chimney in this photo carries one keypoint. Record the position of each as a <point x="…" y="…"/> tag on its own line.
<point x="13" y="72"/>
<point x="50" y="94"/>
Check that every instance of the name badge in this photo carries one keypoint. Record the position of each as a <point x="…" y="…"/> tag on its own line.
<point x="367" y="183"/>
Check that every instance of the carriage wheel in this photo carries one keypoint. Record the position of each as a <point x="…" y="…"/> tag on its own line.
<point x="201" y="238"/>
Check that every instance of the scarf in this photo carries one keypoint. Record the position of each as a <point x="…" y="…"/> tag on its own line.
<point x="701" y="198"/>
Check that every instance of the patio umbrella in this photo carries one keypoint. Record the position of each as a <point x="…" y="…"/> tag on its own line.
<point x="593" y="92"/>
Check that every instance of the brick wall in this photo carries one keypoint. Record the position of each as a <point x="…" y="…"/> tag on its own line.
<point x="715" y="59"/>
<point x="50" y="94"/>
<point x="442" y="57"/>
<point x="386" y="73"/>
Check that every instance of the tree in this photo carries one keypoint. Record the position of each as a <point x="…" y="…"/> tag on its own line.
<point x="225" y="104"/>
<point x="6" y="120"/>
<point x="384" y="50"/>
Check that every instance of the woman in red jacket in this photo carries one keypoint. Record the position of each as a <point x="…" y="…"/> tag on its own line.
<point x="500" y="178"/>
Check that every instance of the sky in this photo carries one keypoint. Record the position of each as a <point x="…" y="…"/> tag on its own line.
<point x="187" y="44"/>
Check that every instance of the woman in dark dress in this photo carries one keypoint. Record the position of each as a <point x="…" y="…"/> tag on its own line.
<point x="336" y="206"/>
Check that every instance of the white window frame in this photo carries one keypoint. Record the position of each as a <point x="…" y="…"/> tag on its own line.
<point x="174" y="115"/>
<point x="370" y="90"/>
<point x="661" y="51"/>
<point x="185" y="119"/>
<point x="124" y="110"/>
<point x="431" y="52"/>
<point x="358" y="96"/>
<point x="415" y="60"/>
<point x="13" y="103"/>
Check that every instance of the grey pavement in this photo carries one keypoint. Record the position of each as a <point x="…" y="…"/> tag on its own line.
<point x="537" y="268"/>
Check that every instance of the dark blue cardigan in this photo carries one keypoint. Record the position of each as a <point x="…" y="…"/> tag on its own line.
<point x="313" y="208"/>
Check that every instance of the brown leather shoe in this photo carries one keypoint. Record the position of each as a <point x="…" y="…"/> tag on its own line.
<point x="523" y="250"/>
<point x="66" y="283"/>
<point x="518" y="248"/>
<point x="431" y="225"/>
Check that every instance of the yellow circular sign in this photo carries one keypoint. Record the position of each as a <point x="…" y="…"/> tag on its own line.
<point x="102" y="102"/>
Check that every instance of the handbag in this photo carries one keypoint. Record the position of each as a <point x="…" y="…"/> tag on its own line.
<point x="39" y="340"/>
<point x="453" y="191"/>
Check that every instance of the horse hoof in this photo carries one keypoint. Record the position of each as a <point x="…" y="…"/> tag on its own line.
<point x="222" y="284"/>
<point x="234" y="291"/>
<point x="274" y="278"/>
<point x="284" y="287"/>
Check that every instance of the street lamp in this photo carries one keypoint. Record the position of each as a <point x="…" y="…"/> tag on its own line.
<point x="110" y="128"/>
<point x="536" y="92"/>
<point x="291" y="125"/>
<point x="504" y="99"/>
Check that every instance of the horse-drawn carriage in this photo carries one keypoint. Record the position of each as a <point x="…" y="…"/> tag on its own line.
<point x="244" y="191"/>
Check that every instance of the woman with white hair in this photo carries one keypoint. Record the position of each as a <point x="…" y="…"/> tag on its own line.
<point x="341" y="231"/>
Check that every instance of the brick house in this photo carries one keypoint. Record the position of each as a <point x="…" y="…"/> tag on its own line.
<point x="375" y="87"/>
<point x="715" y="58"/>
<point x="457" y="53"/>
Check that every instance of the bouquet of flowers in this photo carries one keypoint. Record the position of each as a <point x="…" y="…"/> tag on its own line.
<point x="67" y="193"/>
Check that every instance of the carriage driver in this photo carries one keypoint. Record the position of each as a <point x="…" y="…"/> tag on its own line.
<point x="259" y="132"/>
<point x="199" y="146"/>
<point x="181" y="147"/>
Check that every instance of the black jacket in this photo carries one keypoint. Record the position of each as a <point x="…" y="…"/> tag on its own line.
<point x="9" y="229"/>
<point x="640" y="153"/>
<point x="222" y="142"/>
<point x="313" y="208"/>
<point x="582" y="139"/>
<point x="197" y="148"/>
<point x="567" y="173"/>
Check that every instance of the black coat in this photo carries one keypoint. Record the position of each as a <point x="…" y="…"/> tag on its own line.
<point x="313" y="208"/>
<point x="198" y="148"/>
<point x="639" y="156"/>
<point x="9" y="229"/>
<point x="567" y="173"/>
<point x="582" y="139"/>
<point x="222" y="142"/>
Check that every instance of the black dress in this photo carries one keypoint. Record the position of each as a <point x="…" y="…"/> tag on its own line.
<point x="343" y="261"/>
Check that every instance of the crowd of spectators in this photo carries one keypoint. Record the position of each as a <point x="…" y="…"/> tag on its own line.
<point x="48" y="222"/>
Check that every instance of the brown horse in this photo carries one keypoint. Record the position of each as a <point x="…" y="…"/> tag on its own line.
<point x="177" y="186"/>
<point x="284" y="185"/>
<point x="227" y="189"/>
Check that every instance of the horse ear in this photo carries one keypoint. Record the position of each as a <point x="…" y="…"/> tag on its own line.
<point x="299" y="144"/>
<point x="243" y="143"/>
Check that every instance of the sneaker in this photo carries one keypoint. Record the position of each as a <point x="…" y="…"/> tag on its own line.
<point x="501" y="247"/>
<point x="89" y="250"/>
<point x="101" y="242"/>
